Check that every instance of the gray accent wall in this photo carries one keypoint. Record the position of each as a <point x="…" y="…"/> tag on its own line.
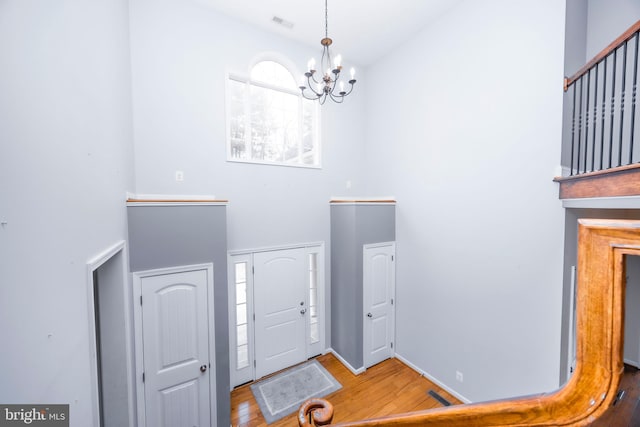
<point x="352" y="226"/>
<point x="169" y="236"/>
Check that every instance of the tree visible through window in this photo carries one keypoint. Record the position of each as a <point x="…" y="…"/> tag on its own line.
<point x="269" y="121"/>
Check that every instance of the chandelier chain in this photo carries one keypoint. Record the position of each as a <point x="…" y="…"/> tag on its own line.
<point x="326" y="19"/>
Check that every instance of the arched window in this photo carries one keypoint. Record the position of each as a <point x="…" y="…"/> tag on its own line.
<point x="268" y="119"/>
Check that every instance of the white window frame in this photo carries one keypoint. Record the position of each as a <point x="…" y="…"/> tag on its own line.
<point x="245" y="374"/>
<point x="245" y="78"/>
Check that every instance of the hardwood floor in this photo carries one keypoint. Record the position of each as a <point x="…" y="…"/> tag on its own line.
<point x="390" y="387"/>
<point x="626" y="411"/>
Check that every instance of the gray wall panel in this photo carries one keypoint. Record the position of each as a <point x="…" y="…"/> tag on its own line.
<point x="353" y="226"/>
<point x="168" y="236"/>
<point x="343" y="283"/>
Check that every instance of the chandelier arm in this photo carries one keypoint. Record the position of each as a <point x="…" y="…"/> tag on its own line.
<point x="337" y="99"/>
<point x="324" y="60"/>
<point x="350" y="88"/>
<point x="310" y="99"/>
<point x="310" y="86"/>
<point x="312" y="77"/>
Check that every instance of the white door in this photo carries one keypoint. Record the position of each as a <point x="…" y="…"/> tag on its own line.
<point x="280" y="290"/>
<point x="378" y="292"/>
<point x="175" y="337"/>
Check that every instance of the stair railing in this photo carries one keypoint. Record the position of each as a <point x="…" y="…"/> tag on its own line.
<point x="603" y="98"/>
<point x="602" y="248"/>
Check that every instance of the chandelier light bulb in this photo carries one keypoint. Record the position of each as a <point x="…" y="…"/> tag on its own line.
<point x="311" y="65"/>
<point x="337" y="61"/>
<point x="353" y="73"/>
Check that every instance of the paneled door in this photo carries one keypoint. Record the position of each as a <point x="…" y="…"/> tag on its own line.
<point x="175" y="335"/>
<point x="378" y="295"/>
<point x="280" y="290"/>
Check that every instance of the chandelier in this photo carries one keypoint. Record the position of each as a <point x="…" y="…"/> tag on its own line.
<point x="328" y="85"/>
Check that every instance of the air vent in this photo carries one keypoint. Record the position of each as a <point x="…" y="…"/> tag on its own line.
<point x="283" y="22"/>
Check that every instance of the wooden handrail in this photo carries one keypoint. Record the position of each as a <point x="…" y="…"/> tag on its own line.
<point x="602" y="247"/>
<point x="568" y="81"/>
<point x="315" y="412"/>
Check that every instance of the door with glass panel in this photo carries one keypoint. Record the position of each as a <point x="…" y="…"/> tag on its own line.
<point x="275" y="305"/>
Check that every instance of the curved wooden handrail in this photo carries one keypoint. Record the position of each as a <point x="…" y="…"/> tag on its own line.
<point x="568" y="81"/>
<point x="602" y="247"/>
<point x="315" y="412"/>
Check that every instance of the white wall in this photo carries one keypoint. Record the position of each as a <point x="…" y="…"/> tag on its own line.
<point x="65" y="167"/>
<point x="607" y="19"/>
<point x="467" y="136"/>
<point x="181" y="52"/>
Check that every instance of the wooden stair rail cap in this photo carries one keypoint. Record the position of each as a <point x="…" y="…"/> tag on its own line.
<point x="626" y="36"/>
<point x="602" y="247"/>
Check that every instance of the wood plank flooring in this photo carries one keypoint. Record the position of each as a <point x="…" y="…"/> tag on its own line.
<point x="390" y="387"/>
<point x="626" y="411"/>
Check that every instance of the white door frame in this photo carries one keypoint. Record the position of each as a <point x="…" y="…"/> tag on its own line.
<point x="137" y="311"/>
<point x="92" y="265"/>
<point x="246" y="255"/>
<point x="365" y="323"/>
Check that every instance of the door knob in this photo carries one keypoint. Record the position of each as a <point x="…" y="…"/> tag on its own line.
<point x="303" y="311"/>
<point x="369" y="315"/>
<point x="203" y="368"/>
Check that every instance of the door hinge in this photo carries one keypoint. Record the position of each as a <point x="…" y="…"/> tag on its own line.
<point x="254" y="317"/>
<point x="391" y="301"/>
<point x="391" y="345"/>
<point x="253" y="270"/>
<point x="140" y="299"/>
<point x="254" y="363"/>
<point x="143" y="377"/>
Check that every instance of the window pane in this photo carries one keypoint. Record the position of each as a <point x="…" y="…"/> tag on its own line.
<point x="309" y="143"/>
<point x="241" y="293"/>
<point x="237" y="120"/>
<point x="315" y="333"/>
<point x="241" y="272"/>
<point x="243" y="357"/>
<point x="242" y="335"/>
<point x="241" y="314"/>
<point x="313" y="296"/>
<point x="273" y="73"/>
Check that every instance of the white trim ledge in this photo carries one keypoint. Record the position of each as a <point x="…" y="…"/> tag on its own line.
<point x="173" y="200"/>
<point x="362" y="200"/>
<point x="627" y="202"/>
<point x="345" y="363"/>
<point x="433" y="379"/>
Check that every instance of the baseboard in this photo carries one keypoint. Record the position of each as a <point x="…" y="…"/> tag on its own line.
<point x="632" y="363"/>
<point x="433" y="379"/>
<point x="345" y="363"/>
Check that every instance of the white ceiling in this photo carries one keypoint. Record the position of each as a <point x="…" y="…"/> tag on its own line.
<point x="362" y="30"/>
